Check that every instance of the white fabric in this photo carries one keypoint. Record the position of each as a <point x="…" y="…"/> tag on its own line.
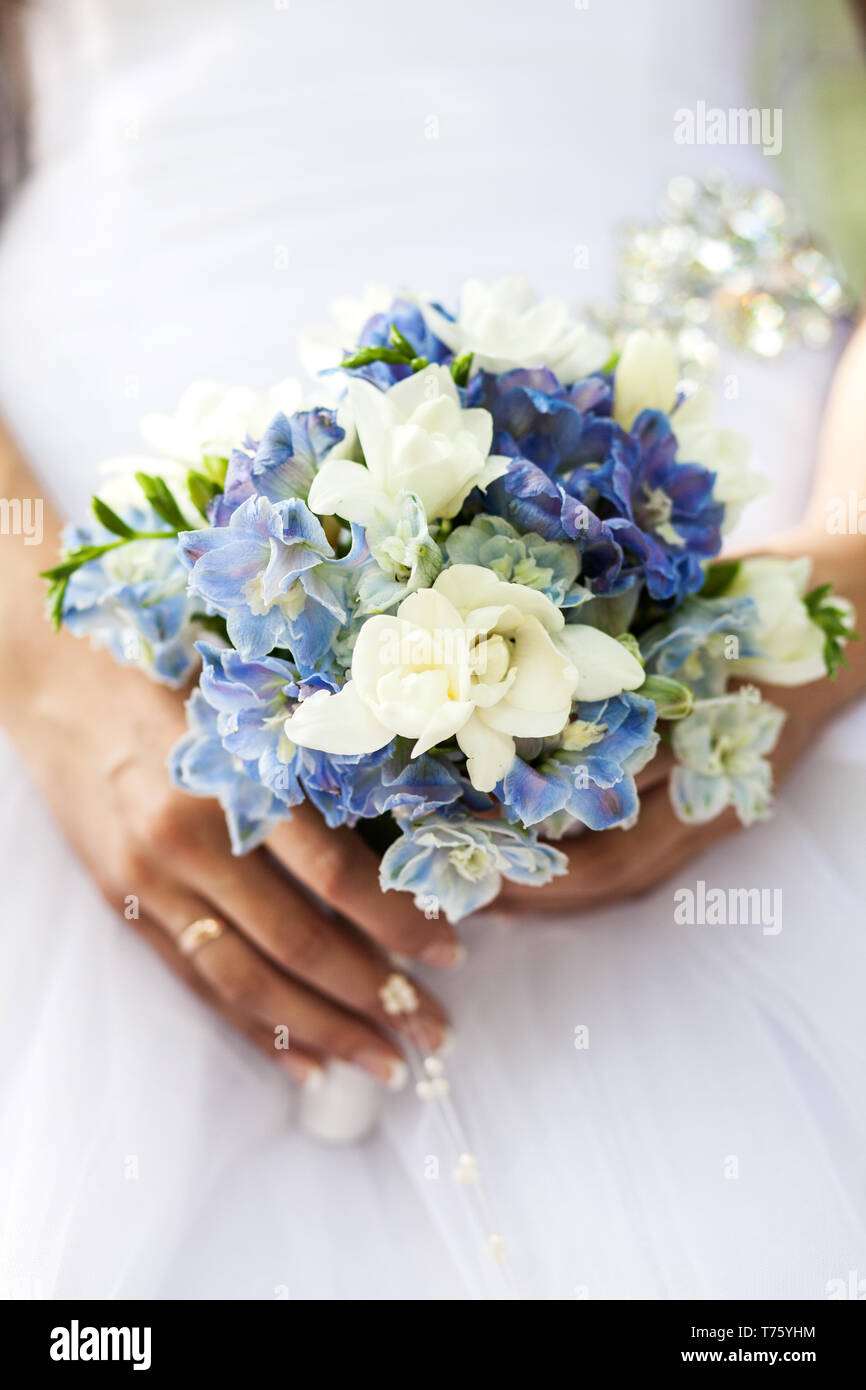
<point x="210" y="174"/>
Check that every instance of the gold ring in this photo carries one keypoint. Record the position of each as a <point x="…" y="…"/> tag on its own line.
<point x="198" y="933"/>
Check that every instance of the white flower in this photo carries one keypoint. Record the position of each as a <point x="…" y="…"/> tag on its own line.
<point x="416" y="438"/>
<point x="324" y="347"/>
<point x="646" y="376"/>
<point x="473" y="657"/>
<point x="721" y="758"/>
<point x="506" y="325"/>
<point x="724" y="452"/>
<point x="213" y="418"/>
<point x="792" y="643"/>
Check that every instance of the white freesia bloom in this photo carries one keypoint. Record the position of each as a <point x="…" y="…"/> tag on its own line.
<point x="792" y="643"/>
<point x="646" y="376"/>
<point x="724" y="452"/>
<point x="416" y="438"/>
<point x="473" y="657"/>
<point x="506" y="325"/>
<point x="213" y="418"/>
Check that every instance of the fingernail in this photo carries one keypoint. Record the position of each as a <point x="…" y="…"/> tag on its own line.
<point x="309" y="1074"/>
<point x="445" y="953"/>
<point x="391" y="1071"/>
<point x="446" y="1041"/>
<point x="428" y="1034"/>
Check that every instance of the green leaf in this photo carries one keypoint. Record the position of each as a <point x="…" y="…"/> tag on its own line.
<point x="461" y="367"/>
<point x="211" y="622"/>
<point x="110" y="520"/>
<point x="364" y="356"/>
<point x="215" y="466"/>
<point x="202" y="489"/>
<point x="672" y="699"/>
<point x="418" y="364"/>
<point x="834" y="622"/>
<point x="402" y="342"/>
<point x="76" y="558"/>
<point x="56" y="595"/>
<point x="719" y="577"/>
<point x="161" y="498"/>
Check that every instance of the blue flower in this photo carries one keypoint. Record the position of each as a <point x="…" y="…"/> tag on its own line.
<point x="661" y="512"/>
<point x="270" y="573"/>
<point x="591" y="773"/>
<point x="252" y="707"/>
<point x="549" y="566"/>
<point x="455" y="863"/>
<point x="532" y="501"/>
<point x="695" y="642"/>
<point x="253" y="700"/>
<point x="133" y="600"/>
<point x="202" y="766"/>
<point x="555" y="427"/>
<point x="282" y="465"/>
<point x="408" y="319"/>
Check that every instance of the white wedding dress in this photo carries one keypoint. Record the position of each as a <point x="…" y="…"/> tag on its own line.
<point x="209" y="174"/>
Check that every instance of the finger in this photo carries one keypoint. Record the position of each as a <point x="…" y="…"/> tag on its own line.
<point x="325" y="952"/>
<point x="248" y="982"/>
<point x="607" y="866"/>
<point x="657" y="770"/>
<point x="338" y="867"/>
<point x="301" y="1065"/>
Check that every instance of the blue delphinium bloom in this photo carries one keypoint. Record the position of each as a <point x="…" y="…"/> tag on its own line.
<point x="454" y="863"/>
<point x="695" y="643"/>
<point x="253" y="699"/>
<point x="282" y="464"/>
<point x="535" y="417"/>
<point x="658" y="509"/>
<point x="590" y="774"/>
<point x="133" y="600"/>
<point x="408" y="319"/>
<point x="252" y="707"/>
<point x="203" y="766"/>
<point x="392" y="780"/>
<point x="532" y="501"/>
<point x="549" y="566"/>
<point x="271" y="573"/>
<point x="662" y="512"/>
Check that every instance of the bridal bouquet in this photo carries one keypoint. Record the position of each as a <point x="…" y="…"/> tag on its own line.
<point x="459" y="596"/>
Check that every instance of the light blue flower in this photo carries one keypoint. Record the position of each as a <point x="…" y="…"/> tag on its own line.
<point x="720" y="751"/>
<point x="252" y="706"/>
<point x="696" y="642"/>
<point x="549" y="566"/>
<point x="202" y="766"/>
<point x="133" y="600"/>
<point x="403" y="556"/>
<point x="282" y="465"/>
<point x="271" y="573"/>
<point x="253" y="700"/>
<point x="454" y="863"/>
<point x="590" y="772"/>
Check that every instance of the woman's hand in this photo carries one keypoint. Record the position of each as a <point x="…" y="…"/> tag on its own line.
<point x="608" y="866"/>
<point x="97" y="740"/>
<point x="96" y="736"/>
